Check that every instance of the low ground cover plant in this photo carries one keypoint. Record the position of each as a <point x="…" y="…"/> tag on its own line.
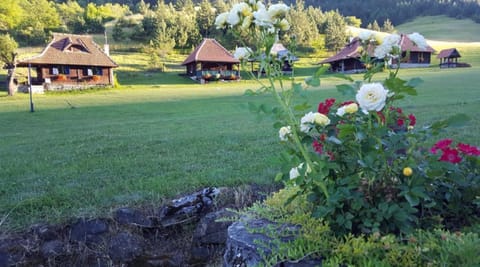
<point x="363" y="166"/>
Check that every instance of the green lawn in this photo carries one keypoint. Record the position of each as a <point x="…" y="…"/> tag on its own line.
<point x="160" y="134"/>
<point x="443" y="28"/>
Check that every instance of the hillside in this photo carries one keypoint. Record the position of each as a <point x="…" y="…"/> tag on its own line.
<point x="443" y="28"/>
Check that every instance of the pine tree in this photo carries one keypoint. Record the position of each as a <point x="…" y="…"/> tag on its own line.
<point x="388" y="26"/>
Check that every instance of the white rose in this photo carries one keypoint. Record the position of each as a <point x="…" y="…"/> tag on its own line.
<point x="284" y="133"/>
<point x="278" y="10"/>
<point x="381" y="51"/>
<point x="341" y="111"/>
<point x="262" y="18"/>
<point x="391" y="39"/>
<point x="221" y="20"/>
<point x="294" y="172"/>
<point x="321" y="119"/>
<point x="371" y="96"/>
<point x="306" y="122"/>
<point x="351" y="108"/>
<point x="233" y="18"/>
<point x="365" y="35"/>
<point x="418" y="40"/>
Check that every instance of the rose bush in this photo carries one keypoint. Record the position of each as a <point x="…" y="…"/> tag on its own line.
<point x="364" y="163"/>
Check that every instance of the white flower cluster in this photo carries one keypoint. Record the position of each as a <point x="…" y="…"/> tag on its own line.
<point x="418" y="40"/>
<point x="242" y="53"/>
<point x="243" y="14"/>
<point x="366" y="35"/>
<point x="295" y="171"/>
<point x="284" y="133"/>
<point x="389" y="48"/>
<point x="307" y="122"/>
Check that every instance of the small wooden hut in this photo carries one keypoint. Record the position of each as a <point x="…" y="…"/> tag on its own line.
<point x="449" y="58"/>
<point x="70" y="61"/>
<point x="211" y="61"/>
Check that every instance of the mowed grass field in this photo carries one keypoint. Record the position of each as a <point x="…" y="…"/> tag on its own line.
<point x="160" y="135"/>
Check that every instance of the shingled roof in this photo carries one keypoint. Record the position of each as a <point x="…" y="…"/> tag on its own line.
<point x="449" y="53"/>
<point x="71" y="49"/>
<point x="351" y="50"/>
<point x="209" y="50"/>
<point x="407" y="45"/>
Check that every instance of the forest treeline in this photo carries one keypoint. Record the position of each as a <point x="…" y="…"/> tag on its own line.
<point x="163" y="25"/>
<point x="397" y="11"/>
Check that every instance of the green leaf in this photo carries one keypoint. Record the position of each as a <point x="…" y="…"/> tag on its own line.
<point x="278" y="177"/>
<point x="345" y="130"/>
<point x="347" y="89"/>
<point x="320" y="71"/>
<point x="414" y="82"/>
<point x="313" y="81"/>
<point x="297" y="87"/>
<point x="458" y="120"/>
<point x="412" y="199"/>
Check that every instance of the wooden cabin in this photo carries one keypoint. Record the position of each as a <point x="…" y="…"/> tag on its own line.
<point x="347" y="60"/>
<point x="211" y="61"/>
<point x="70" y="61"/>
<point x="412" y="55"/>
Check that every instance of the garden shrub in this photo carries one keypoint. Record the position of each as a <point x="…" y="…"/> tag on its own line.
<point x="363" y="167"/>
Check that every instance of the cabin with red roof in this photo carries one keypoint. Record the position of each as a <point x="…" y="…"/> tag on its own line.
<point x="211" y="61"/>
<point x="70" y="61"/>
<point x="412" y="55"/>
<point x="347" y="60"/>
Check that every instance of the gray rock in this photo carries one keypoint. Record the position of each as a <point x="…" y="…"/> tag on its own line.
<point x="132" y="216"/>
<point x="125" y="247"/>
<point x="246" y="238"/>
<point x="88" y="231"/>
<point x="209" y="231"/>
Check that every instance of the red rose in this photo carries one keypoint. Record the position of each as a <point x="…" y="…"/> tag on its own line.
<point x="450" y="155"/>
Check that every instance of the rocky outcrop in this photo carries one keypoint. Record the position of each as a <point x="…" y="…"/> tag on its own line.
<point x="250" y="242"/>
<point x="184" y="232"/>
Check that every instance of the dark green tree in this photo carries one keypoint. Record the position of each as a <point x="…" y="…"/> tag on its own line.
<point x="40" y="18"/>
<point x="10" y="15"/>
<point x="205" y="18"/>
<point x="301" y="25"/>
<point x="71" y="16"/>
<point x="335" y="32"/>
<point x="8" y="56"/>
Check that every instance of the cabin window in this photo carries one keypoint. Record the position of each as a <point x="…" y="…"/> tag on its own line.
<point x="60" y="70"/>
<point x="92" y="71"/>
